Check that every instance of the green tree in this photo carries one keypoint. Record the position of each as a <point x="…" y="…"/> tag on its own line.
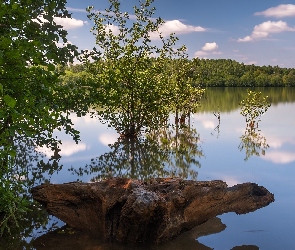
<point x="131" y="73"/>
<point x="31" y="98"/>
<point x="289" y="79"/>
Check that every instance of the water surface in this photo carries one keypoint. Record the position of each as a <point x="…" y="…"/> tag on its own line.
<point x="211" y="149"/>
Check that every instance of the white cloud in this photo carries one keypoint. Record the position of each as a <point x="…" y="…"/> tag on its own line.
<point x="177" y="27"/>
<point x="283" y="10"/>
<point x="76" y="10"/>
<point x="69" y="23"/>
<point x="265" y="29"/>
<point x="230" y="180"/>
<point x="280" y="157"/>
<point x="112" y="28"/>
<point x="210" y="46"/>
<point x="67" y="148"/>
<point x="108" y="138"/>
<point x="278" y="141"/>
<point x="208" y="125"/>
<point x="207" y="49"/>
<point x="201" y="53"/>
<point x="61" y="45"/>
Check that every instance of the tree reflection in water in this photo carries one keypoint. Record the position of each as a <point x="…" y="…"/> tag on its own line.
<point x="252" y="108"/>
<point x="29" y="169"/>
<point x="68" y="238"/>
<point x="253" y="142"/>
<point x="169" y="152"/>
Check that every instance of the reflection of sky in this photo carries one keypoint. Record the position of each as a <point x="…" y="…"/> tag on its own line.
<point x="271" y="227"/>
<point x="268" y="228"/>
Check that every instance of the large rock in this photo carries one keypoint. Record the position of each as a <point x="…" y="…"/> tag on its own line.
<point x="129" y="210"/>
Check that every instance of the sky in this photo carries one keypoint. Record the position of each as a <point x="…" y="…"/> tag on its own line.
<point x="255" y="32"/>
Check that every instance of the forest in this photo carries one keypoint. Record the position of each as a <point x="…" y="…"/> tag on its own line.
<point x="219" y="73"/>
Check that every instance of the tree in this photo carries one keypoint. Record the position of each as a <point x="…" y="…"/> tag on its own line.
<point x="131" y="73"/>
<point x="31" y="98"/>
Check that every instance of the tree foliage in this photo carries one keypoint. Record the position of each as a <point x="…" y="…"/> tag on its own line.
<point x="31" y="98"/>
<point x="133" y="75"/>
<point x="230" y="73"/>
<point x="254" y="106"/>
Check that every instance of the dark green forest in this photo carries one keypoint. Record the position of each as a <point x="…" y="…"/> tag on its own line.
<point x="221" y="73"/>
<point x="227" y="72"/>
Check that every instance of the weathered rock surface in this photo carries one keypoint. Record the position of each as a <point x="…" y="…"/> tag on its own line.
<point x="129" y="210"/>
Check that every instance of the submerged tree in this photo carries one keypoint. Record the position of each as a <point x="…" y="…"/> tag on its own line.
<point x="134" y="86"/>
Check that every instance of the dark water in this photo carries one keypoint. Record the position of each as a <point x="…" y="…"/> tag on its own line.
<point x="209" y="150"/>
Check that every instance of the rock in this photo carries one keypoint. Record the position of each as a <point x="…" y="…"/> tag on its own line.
<point x="129" y="210"/>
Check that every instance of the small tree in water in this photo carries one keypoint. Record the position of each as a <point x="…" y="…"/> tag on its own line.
<point x="132" y="81"/>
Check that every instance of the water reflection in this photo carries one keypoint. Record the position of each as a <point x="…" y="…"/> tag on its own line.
<point x="277" y="126"/>
<point x="30" y="168"/>
<point x="169" y="152"/>
<point x="68" y="238"/>
<point x="253" y="142"/>
<point x="217" y="128"/>
<point x="252" y="108"/>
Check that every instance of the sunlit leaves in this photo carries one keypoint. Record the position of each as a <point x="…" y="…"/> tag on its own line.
<point x="254" y="106"/>
<point x="9" y="101"/>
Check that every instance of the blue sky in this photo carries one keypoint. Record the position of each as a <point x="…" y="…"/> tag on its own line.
<point x="249" y="31"/>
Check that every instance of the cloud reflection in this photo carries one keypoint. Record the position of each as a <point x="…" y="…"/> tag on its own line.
<point x="108" y="138"/>
<point x="67" y="148"/>
<point x="279" y="157"/>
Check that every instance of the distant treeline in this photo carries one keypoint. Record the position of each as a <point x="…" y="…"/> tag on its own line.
<point x="230" y="73"/>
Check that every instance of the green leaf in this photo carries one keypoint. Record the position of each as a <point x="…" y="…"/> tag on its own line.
<point x="11" y="102"/>
<point x="14" y="6"/>
<point x="51" y="67"/>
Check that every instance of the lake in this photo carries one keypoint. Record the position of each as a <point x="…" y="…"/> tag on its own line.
<point x="211" y="149"/>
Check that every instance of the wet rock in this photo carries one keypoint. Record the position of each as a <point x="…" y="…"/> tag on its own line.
<point x="129" y="210"/>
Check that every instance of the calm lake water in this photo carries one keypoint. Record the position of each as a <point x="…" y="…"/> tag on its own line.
<point x="214" y="151"/>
